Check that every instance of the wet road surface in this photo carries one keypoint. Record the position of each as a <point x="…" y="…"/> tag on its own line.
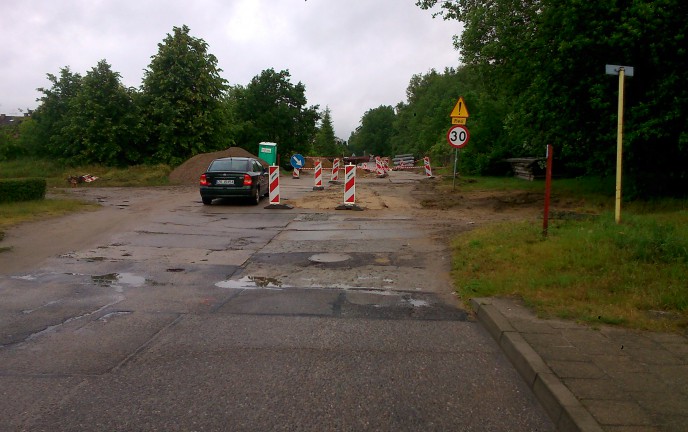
<point x="236" y="317"/>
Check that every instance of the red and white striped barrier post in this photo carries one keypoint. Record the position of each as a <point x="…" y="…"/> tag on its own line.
<point x="274" y="185"/>
<point x="428" y="169"/>
<point x="318" y="176"/>
<point x="295" y="173"/>
<point x="380" y="168"/>
<point x="349" y="189"/>
<point x="274" y="174"/>
<point x="350" y="184"/>
<point x="335" y="171"/>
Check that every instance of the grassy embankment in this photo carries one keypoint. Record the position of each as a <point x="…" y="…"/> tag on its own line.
<point x="589" y="269"/>
<point x="57" y="203"/>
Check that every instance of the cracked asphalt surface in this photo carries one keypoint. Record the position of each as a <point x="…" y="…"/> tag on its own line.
<point x="159" y="313"/>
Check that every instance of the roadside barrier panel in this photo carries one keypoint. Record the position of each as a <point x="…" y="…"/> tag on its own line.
<point x="428" y="169"/>
<point x="274" y="174"/>
<point x="349" y="189"/>
<point x="380" y="168"/>
<point x="295" y="174"/>
<point x="318" y="176"/>
<point x="274" y="185"/>
<point x="335" y="171"/>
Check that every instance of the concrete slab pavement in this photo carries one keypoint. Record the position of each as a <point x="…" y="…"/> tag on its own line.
<point x="609" y="379"/>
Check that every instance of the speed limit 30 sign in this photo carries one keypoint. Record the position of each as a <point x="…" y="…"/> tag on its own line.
<point x="458" y="136"/>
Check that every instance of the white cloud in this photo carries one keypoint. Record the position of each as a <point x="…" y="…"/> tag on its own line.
<point x="351" y="55"/>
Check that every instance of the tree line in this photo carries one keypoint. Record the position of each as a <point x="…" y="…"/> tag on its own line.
<point x="184" y="107"/>
<point x="533" y="73"/>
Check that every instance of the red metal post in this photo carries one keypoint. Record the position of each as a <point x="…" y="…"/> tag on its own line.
<point x="548" y="190"/>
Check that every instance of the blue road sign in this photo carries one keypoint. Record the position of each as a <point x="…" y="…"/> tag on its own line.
<point x="298" y="161"/>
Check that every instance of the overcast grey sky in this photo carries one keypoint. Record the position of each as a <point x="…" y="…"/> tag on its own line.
<point x="352" y="55"/>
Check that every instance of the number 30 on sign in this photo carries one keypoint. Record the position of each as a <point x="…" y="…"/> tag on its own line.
<point x="458" y="136"/>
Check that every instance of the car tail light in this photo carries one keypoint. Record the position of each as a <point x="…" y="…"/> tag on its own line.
<point x="204" y="180"/>
<point x="248" y="181"/>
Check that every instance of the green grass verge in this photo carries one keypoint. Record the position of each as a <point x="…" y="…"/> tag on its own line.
<point x="594" y="271"/>
<point x="56" y="174"/>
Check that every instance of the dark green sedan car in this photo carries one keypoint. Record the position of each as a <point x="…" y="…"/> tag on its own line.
<point x="234" y="177"/>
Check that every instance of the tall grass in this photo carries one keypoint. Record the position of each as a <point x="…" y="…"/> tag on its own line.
<point x="595" y="271"/>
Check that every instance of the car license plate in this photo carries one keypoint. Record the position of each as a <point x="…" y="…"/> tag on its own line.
<point x="225" y="182"/>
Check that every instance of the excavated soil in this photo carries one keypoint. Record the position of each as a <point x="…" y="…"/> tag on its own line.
<point x="189" y="172"/>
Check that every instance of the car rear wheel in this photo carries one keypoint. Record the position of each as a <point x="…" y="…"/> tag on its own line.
<point x="256" y="197"/>
<point x="206" y="201"/>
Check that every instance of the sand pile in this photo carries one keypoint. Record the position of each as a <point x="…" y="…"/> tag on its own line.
<point x="190" y="171"/>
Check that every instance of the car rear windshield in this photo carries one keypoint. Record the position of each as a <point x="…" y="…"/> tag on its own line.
<point x="230" y="165"/>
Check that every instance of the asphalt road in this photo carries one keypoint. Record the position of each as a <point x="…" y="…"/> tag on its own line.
<point x="236" y="317"/>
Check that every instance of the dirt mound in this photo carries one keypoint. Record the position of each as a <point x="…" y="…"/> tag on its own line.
<point x="191" y="170"/>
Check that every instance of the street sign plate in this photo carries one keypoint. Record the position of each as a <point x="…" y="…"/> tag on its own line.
<point x="458" y="136"/>
<point x="614" y="70"/>
<point x="459" y="120"/>
<point x="460" y="109"/>
<point x="297" y="161"/>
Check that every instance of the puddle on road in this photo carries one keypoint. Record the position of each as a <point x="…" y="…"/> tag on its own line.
<point x="117" y="280"/>
<point x="252" y="282"/>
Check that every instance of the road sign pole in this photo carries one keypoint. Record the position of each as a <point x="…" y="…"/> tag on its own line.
<point x="456" y="158"/>
<point x="622" y="72"/>
<point x="619" y="147"/>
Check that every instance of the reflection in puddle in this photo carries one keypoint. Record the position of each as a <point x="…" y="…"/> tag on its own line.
<point x="252" y="282"/>
<point x="116" y="280"/>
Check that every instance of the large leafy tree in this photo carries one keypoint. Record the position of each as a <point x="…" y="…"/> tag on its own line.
<point x="547" y="59"/>
<point x="271" y="108"/>
<point x="374" y="135"/>
<point x="50" y="133"/>
<point x="182" y="100"/>
<point x="423" y="120"/>
<point x="102" y="121"/>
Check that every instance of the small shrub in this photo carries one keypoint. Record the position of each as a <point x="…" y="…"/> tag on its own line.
<point x="13" y="190"/>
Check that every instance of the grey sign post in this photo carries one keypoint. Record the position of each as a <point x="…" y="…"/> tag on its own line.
<point x="621" y="71"/>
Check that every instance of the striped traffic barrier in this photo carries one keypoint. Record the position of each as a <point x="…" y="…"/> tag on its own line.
<point x="274" y="185"/>
<point x="335" y="171"/>
<point x="318" y="176"/>
<point x="349" y="189"/>
<point x="428" y="169"/>
<point x="295" y="173"/>
<point x="274" y="195"/>
<point x="379" y="168"/>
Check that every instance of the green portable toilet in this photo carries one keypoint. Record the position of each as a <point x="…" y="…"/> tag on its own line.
<point x="268" y="152"/>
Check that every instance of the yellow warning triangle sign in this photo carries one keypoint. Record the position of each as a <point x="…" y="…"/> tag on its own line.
<point x="460" y="109"/>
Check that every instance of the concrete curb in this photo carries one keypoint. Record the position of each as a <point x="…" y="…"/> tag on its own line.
<point x="567" y="413"/>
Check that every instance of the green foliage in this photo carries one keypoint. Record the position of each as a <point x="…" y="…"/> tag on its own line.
<point x="52" y="117"/>
<point x="325" y="143"/>
<point x="542" y="62"/>
<point x="13" y="190"/>
<point x="182" y="101"/>
<point x="102" y="121"/>
<point x="374" y="136"/>
<point x="273" y="109"/>
<point x="10" y="145"/>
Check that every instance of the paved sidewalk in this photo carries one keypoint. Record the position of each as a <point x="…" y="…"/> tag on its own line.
<point x="594" y="380"/>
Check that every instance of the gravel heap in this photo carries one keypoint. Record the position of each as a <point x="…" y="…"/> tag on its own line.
<point x="190" y="171"/>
